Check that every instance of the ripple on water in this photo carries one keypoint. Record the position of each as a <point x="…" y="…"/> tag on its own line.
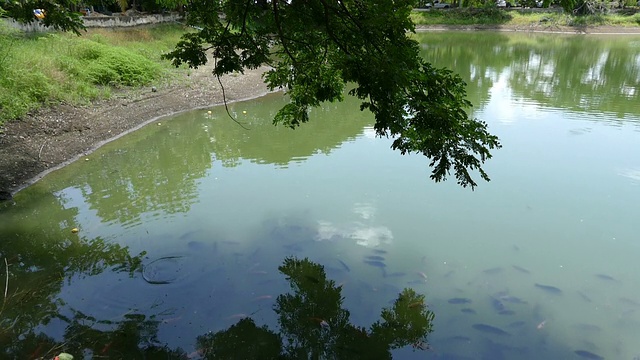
<point x="164" y="270"/>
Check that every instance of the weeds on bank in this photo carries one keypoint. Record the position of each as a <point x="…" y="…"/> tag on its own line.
<point x="37" y="70"/>
<point x="522" y="17"/>
<point x="461" y="16"/>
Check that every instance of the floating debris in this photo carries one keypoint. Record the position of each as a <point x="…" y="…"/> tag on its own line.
<point x="541" y="325"/>
<point x="588" y="355"/>
<point x="490" y="329"/>
<point x="550" y="289"/>
<point x="74" y="230"/>
<point x="459" y="301"/>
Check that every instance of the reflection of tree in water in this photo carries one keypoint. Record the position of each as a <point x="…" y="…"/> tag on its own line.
<point x="135" y="337"/>
<point x="149" y="173"/>
<point x="313" y="324"/>
<point x="328" y="128"/>
<point x="570" y="72"/>
<point x="40" y="259"/>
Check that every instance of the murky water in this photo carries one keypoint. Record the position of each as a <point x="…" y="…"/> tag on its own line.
<point x="182" y="226"/>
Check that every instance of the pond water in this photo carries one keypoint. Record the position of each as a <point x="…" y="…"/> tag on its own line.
<point x="181" y="226"/>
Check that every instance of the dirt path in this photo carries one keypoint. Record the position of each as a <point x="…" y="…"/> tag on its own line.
<point x="51" y="138"/>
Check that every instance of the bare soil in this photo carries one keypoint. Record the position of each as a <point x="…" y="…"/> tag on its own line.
<point x="53" y="137"/>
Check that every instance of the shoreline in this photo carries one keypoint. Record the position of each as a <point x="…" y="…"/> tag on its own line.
<point x="537" y="29"/>
<point x="51" y="138"/>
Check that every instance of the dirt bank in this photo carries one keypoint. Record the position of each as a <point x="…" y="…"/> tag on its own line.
<point x="50" y="138"/>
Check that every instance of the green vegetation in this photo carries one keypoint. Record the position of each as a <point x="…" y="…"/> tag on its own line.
<point x="316" y="48"/>
<point x="58" y="67"/>
<point x="522" y="18"/>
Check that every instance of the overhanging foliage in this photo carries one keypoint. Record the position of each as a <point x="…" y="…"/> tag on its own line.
<point x="316" y="47"/>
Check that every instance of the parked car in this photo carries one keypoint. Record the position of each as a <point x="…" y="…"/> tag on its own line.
<point x="504" y="3"/>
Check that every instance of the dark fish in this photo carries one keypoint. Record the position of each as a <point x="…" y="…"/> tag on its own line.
<point x="493" y="271"/>
<point x="588" y="355"/>
<point x="376" y="263"/>
<point x="490" y="329"/>
<point x="605" y="277"/>
<point x="629" y="302"/>
<point x="467" y="311"/>
<point x="196" y="245"/>
<point x="550" y="289"/>
<point x="189" y="234"/>
<point x="506" y="312"/>
<point x="512" y="299"/>
<point x="459" y="338"/>
<point x="516" y="324"/>
<point x="378" y="251"/>
<point x="345" y="266"/>
<point x="497" y="304"/>
<point x="584" y="297"/>
<point x="521" y="269"/>
<point x="374" y="258"/>
<point x="459" y="301"/>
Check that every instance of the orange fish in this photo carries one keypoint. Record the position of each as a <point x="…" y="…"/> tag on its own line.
<point x="541" y="325"/>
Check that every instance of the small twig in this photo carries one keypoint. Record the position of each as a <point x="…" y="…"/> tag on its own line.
<point x="224" y="98"/>
<point x="6" y="284"/>
<point x="41" y="147"/>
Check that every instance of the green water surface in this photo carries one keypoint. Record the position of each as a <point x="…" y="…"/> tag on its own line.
<point x="183" y="224"/>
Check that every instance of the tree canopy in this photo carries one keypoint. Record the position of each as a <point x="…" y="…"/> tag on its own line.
<point x="316" y="49"/>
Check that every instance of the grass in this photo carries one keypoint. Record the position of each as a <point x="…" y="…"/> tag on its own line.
<point x="523" y="17"/>
<point x="41" y="70"/>
<point x="45" y="69"/>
